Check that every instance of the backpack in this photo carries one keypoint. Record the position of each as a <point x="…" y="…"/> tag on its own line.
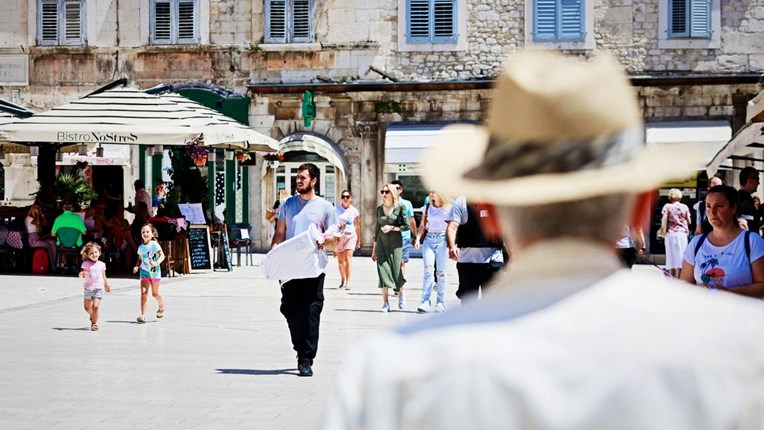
<point x="747" y="246"/>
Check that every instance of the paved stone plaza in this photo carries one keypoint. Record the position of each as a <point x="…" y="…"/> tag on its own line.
<point x="220" y="358"/>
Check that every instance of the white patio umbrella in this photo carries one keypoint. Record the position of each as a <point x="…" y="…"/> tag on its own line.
<point x="124" y="116"/>
<point x="230" y="129"/>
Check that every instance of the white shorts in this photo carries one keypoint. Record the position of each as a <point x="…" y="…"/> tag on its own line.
<point x="345" y="242"/>
<point x="675" y="244"/>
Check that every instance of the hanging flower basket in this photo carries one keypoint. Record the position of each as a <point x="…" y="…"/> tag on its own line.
<point x="273" y="159"/>
<point x="200" y="161"/>
<point x="196" y="151"/>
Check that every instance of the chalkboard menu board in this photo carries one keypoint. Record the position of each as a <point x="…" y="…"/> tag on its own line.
<point x="199" y="248"/>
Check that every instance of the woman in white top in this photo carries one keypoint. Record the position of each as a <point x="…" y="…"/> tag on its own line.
<point x="34" y="221"/>
<point x="675" y="217"/>
<point x="721" y="260"/>
<point x="349" y="228"/>
<point x="432" y="235"/>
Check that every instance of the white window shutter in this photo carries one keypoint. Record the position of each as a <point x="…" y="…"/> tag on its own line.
<point x="72" y="18"/>
<point x="276" y="21"/>
<point x="186" y="22"/>
<point x="301" y="21"/>
<point x="678" y="18"/>
<point x="161" y="22"/>
<point x="48" y="22"/>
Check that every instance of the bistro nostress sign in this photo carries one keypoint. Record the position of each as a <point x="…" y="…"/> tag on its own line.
<point x="95" y="137"/>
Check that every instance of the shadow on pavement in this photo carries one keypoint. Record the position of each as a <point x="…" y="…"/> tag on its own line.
<point x="376" y="311"/>
<point x="256" y="372"/>
<point x="71" y="328"/>
<point x="132" y="322"/>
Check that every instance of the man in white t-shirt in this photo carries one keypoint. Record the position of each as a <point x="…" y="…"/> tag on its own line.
<point x="303" y="299"/>
<point x="702" y="225"/>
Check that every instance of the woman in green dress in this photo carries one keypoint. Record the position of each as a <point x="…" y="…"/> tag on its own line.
<point x="390" y="220"/>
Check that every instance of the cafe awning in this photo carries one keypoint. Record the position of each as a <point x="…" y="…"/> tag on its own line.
<point x="317" y="145"/>
<point x="746" y="145"/>
<point x="706" y="137"/>
<point x="125" y="115"/>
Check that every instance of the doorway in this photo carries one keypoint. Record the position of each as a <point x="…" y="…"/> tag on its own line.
<point x="325" y="184"/>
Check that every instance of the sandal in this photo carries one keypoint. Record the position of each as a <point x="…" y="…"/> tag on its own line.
<point x="141" y="319"/>
<point x="93" y="327"/>
<point x="160" y="312"/>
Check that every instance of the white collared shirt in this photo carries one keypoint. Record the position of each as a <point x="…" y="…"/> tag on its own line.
<point x="565" y="340"/>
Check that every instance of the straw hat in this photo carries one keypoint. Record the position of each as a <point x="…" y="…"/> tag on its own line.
<point x="558" y="129"/>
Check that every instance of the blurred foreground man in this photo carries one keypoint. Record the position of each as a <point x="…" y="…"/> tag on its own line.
<point x="567" y="338"/>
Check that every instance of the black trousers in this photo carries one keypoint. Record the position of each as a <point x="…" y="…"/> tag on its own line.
<point x="302" y="302"/>
<point x="628" y="255"/>
<point x="473" y="276"/>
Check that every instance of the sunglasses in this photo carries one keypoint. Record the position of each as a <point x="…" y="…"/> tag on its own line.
<point x="384" y="192"/>
<point x="345" y="197"/>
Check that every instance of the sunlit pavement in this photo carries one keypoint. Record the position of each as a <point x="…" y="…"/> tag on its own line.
<point x="220" y="358"/>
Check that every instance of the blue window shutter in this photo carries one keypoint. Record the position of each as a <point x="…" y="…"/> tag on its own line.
<point x="701" y="25"/>
<point x="571" y="20"/>
<point x="418" y="20"/>
<point x="678" y="18"/>
<point x="545" y="14"/>
<point x="276" y="21"/>
<point x="444" y="20"/>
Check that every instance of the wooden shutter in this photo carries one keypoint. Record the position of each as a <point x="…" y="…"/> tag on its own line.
<point x="186" y="19"/>
<point x="571" y="20"/>
<point x="418" y="20"/>
<point x="48" y="22"/>
<point x="276" y="21"/>
<point x="545" y="14"/>
<point x="444" y="19"/>
<point x="301" y="21"/>
<point x="701" y="25"/>
<point x="162" y="22"/>
<point x="72" y="17"/>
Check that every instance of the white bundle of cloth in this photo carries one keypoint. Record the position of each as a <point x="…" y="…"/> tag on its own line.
<point x="297" y="257"/>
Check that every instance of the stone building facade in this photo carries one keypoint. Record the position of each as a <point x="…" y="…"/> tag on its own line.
<point x="366" y="73"/>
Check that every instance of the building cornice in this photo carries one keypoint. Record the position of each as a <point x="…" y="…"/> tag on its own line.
<point x="637" y="81"/>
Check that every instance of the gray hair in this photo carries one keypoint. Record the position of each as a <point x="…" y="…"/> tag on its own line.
<point x="600" y="218"/>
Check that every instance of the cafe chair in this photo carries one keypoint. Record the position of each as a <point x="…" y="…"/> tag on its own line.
<point x="66" y="245"/>
<point x="12" y="248"/>
<point x="240" y="239"/>
<point x="4" y="250"/>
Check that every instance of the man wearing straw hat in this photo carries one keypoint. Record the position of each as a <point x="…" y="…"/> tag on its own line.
<point x="567" y="338"/>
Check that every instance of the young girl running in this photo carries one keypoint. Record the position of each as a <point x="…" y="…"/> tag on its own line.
<point x="150" y="256"/>
<point x="94" y="272"/>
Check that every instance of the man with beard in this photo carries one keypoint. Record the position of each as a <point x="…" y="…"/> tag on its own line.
<point x="303" y="299"/>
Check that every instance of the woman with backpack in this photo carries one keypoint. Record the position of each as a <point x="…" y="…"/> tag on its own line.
<point x="728" y="258"/>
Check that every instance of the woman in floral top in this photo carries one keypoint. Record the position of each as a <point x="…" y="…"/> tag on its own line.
<point x="675" y="216"/>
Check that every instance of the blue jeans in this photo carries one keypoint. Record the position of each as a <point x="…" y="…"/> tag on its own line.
<point x="407" y="245"/>
<point x="434" y="251"/>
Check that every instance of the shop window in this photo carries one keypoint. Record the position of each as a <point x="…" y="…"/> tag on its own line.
<point x="289" y="21"/>
<point x="60" y="22"/>
<point x="174" y="22"/>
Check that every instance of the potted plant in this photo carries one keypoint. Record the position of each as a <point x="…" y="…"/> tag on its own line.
<point x="197" y="152"/>
<point x="273" y="159"/>
<point x="73" y="189"/>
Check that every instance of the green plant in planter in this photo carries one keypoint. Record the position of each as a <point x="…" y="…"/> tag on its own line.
<point x="73" y="189"/>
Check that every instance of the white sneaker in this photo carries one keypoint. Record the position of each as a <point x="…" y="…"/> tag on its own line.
<point x="401" y="302"/>
<point x="385" y="308"/>
<point x="440" y="307"/>
<point x="424" y="307"/>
